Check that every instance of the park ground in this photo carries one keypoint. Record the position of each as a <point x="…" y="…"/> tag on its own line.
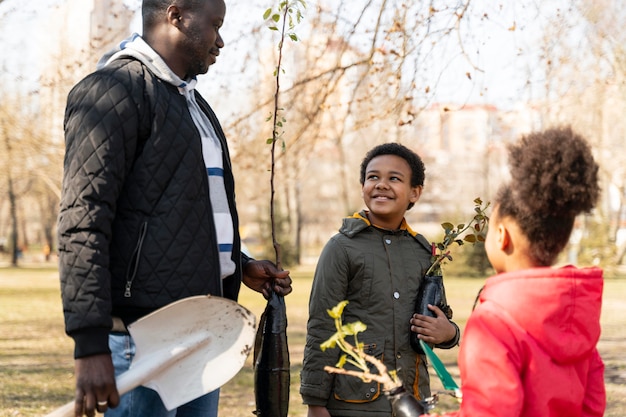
<point x="37" y="365"/>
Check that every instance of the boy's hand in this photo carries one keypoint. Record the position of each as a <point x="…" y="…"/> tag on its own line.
<point x="433" y="330"/>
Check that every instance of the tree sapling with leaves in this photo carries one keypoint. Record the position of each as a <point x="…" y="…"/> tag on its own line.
<point x="432" y="292"/>
<point x="271" y="352"/>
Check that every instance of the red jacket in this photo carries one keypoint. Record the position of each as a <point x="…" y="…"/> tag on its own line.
<point x="529" y="347"/>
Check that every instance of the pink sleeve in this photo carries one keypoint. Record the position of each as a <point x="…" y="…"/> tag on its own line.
<point x="489" y="361"/>
<point x="594" y="402"/>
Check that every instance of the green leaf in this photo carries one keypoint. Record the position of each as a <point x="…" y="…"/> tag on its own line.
<point x="447" y="226"/>
<point x="274" y="28"/>
<point x="331" y="342"/>
<point x="470" y="238"/>
<point x="267" y="13"/>
<point x="342" y="361"/>
<point x="353" y="328"/>
<point x="269" y="141"/>
<point x="337" y="310"/>
<point x="293" y="37"/>
<point x="276" y="17"/>
<point x="461" y="226"/>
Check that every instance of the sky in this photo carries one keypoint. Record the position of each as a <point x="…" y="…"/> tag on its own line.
<point x="498" y="75"/>
<point x="18" y="36"/>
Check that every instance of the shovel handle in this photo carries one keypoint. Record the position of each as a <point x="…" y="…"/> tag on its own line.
<point x="65" y="411"/>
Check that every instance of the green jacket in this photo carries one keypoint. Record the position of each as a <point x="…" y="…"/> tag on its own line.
<point x="379" y="273"/>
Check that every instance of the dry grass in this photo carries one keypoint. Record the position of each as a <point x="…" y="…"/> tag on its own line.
<point x="36" y="356"/>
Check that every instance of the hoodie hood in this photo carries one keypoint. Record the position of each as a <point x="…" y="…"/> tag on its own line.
<point x="559" y="307"/>
<point x="135" y="47"/>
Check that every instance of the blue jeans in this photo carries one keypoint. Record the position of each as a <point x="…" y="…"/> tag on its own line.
<point x="145" y="402"/>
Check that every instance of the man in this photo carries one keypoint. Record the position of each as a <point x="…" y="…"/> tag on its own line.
<point x="147" y="213"/>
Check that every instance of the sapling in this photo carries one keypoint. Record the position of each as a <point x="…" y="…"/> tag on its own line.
<point x="432" y="290"/>
<point x="271" y="351"/>
<point x="475" y="229"/>
<point x="403" y="403"/>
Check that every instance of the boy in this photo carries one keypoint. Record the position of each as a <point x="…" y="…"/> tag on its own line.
<point x="376" y="262"/>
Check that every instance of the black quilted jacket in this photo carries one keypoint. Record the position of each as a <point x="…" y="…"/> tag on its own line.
<point x="135" y="228"/>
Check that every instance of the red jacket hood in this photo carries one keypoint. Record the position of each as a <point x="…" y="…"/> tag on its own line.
<point x="558" y="307"/>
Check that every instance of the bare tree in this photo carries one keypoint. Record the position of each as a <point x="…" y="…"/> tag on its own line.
<point x="361" y="77"/>
<point x="31" y="132"/>
<point x="585" y="72"/>
<point x="18" y="138"/>
<point x="363" y="73"/>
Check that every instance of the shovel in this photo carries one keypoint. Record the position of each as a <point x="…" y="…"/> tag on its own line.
<point x="186" y="349"/>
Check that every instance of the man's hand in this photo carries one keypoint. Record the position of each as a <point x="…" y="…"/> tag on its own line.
<point x="260" y="275"/>
<point x="95" y="385"/>
<point x="433" y="330"/>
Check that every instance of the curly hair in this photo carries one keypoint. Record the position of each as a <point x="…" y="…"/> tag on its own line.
<point x="415" y="162"/>
<point x="554" y="177"/>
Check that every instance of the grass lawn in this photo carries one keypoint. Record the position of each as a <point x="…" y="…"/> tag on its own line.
<point x="37" y="365"/>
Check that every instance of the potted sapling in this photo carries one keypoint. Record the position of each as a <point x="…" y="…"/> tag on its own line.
<point x="431" y="289"/>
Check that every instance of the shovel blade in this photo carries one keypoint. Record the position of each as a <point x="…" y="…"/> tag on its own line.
<point x="203" y="342"/>
<point x="186" y="349"/>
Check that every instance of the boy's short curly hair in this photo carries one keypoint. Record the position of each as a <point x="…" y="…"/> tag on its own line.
<point x="554" y="177"/>
<point x="413" y="159"/>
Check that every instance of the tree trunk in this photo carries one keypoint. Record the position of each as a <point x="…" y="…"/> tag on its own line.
<point x="13" y="215"/>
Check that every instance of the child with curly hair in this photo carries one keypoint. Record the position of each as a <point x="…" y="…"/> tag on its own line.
<point x="529" y="347"/>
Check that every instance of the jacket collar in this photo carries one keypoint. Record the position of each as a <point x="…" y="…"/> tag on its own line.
<point x="359" y="222"/>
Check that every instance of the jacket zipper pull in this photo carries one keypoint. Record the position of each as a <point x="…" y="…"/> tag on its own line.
<point x="132" y="266"/>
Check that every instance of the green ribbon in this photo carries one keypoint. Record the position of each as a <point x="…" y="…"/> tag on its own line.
<point x="442" y="372"/>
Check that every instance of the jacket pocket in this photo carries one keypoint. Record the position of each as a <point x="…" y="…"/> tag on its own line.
<point x="352" y="389"/>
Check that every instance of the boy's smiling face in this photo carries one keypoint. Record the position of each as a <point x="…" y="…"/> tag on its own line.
<point x="387" y="190"/>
